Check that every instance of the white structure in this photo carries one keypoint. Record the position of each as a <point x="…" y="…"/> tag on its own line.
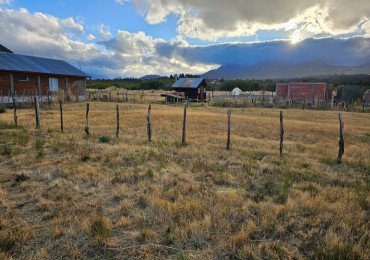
<point x="236" y="92"/>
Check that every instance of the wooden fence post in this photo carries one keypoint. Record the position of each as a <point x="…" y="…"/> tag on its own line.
<point x="126" y="96"/>
<point x="304" y="103"/>
<point x="228" y="129"/>
<point x="117" y="129"/>
<point x="363" y="105"/>
<point x="15" y="112"/>
<point x="37" y="112"/>
<point x="149" y="126"/>
<point x="61" y="115"/>
<point x="184" y="125"/>
<point x="281" y="134"/>
<point x="87" y="131"/>
<point x="63" y="96"/>
<point x="341" y="139"/>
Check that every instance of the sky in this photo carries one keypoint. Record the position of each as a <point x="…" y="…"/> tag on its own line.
<point x="132" y="38"/>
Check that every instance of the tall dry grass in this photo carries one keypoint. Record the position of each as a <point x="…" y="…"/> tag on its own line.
<point x="66" y="195"/>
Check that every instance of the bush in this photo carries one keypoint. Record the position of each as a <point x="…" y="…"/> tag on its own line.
<point x="104" y="139"/>
<point x="2" y="110"/>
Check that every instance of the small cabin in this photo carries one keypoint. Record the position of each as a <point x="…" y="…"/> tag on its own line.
<point x="191" y="88"/>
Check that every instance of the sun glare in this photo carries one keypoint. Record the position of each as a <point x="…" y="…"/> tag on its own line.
<point x="295" y="39"/>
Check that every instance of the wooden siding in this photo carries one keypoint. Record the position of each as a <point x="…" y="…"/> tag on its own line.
<point x="73" y="84"/>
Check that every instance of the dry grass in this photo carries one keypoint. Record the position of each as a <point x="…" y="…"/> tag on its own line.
<point x="65" y="195"/>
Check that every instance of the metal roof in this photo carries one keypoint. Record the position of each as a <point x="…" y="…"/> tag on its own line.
<point x="188" y="83"/>
<point x="31" y="64"/>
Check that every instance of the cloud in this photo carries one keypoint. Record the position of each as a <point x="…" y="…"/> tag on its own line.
<point x="121" y="2"/>
<point x="211" y="20"/>
<point x="90" y="37"/>
<point x="138" y="54"/>
<point x="346" y="52"/>
<point x="6" y="2"/>
<point x="104" y="31"/>
<point x="44" y="35"/>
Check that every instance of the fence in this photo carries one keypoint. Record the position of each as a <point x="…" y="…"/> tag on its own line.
<point x="149" y="131"/>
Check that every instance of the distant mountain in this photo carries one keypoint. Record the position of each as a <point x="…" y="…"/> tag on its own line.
<point x="270" y="69"/>
<point x="151" y="77"/>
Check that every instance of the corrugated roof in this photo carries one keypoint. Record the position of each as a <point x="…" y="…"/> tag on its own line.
<point x="187" y="83"/>
<point x="23" y="63"/>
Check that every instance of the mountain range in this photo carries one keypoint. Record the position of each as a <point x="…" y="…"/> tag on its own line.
<point x="270" y="69"/>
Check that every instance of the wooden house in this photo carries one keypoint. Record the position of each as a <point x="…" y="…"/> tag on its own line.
<point x="191" y="88"/>
<point x="29" y="75"/>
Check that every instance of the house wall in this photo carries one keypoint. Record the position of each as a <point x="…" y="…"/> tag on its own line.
<point x="300" y="91"/>
<point x="72" y="85"/>
<point x="282" y="90"/>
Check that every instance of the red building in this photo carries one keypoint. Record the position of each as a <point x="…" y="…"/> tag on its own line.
<point x="304" y="90"/>
<point x="29" y="75"/>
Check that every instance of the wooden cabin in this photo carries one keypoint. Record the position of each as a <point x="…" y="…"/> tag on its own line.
<point x="191" y="88"/>
<point x="29" y="75"/>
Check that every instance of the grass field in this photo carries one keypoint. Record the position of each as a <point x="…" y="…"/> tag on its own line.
<point x="65" y="195"/>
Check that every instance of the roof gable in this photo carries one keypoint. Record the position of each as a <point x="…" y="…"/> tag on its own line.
<point x="188" y="83"/>
<point x="23" y="63"/>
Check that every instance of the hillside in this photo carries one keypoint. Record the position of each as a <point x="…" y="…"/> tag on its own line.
<point x="71" y="196"/>
<point x="280" y="70"/>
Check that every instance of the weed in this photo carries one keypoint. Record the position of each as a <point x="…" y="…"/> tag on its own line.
<point x="149" y="173"/>
<point x="39" y="145"/>
<point x="105" y="139"/>
<point x="7" y="150"/>
<point x="100" y="228"/>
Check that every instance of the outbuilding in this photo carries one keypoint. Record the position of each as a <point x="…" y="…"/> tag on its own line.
<point x="30" y="75"/>
<point x="191" y="88"/>
<point x="236" y="91"/>
<point x="304" y="90"/>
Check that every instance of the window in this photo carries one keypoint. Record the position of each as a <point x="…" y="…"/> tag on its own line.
<point x="23" y="78"/>
<point x="53" y="84"/>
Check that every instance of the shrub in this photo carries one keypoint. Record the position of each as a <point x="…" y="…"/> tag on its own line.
<point x="104" y="139"/>
<point x="2" y="110"/>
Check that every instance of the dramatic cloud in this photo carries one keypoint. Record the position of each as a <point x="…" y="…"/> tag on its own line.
<point x="210" y="20"/>
<point x="47" y="36"/>
<point x="346" y="52"/>
<point x="121" y="53"/>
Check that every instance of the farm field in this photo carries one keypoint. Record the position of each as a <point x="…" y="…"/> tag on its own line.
<point x="68" y="195"/>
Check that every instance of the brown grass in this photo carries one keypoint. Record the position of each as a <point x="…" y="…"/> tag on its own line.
<point x="65" y="195"/>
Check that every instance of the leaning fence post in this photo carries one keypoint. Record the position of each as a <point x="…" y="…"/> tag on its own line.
<point x="228" y="129"/>
<point x="117" y="129"/>
<point x="15" y="112"/>
<point x="149" y="126"/>
<point x="87" y="131"/>
<point x="341" y="139"/>
<point x="37" y="112"/>
<point x="281" y="134"/>
<point x="184" y="125"/>
<point x="61" y="115"/>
